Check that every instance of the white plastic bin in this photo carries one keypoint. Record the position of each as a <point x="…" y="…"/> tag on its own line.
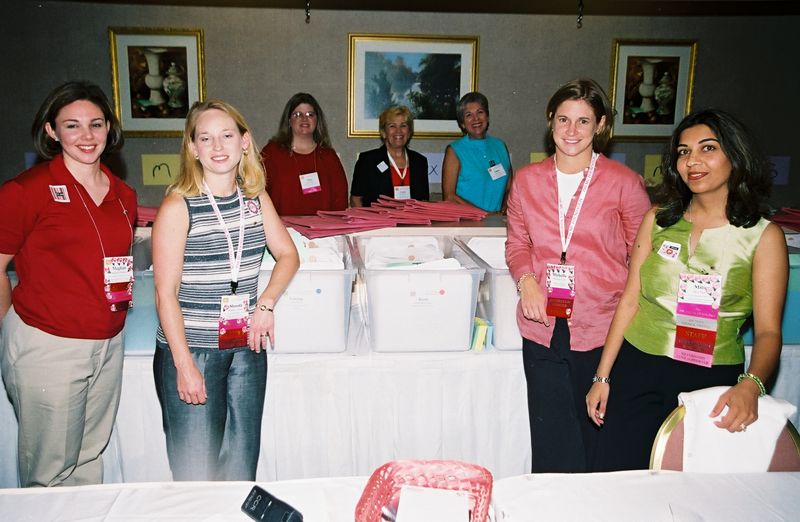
<point x="498" y="292"/>
<point x="313" y="314"/>
<point x="416" y="310"/>
<point x="139" y="334"/>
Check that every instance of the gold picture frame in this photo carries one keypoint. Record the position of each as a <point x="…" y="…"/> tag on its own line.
<point x="158" y="73"/>
<point x="651" y="87"/>
<point x="392" y="69"/>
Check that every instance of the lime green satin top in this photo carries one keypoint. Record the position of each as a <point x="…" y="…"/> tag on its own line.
<point x="727" y="250"/>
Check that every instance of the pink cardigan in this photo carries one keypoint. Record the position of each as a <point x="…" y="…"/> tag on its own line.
<point x="600" y="248"/>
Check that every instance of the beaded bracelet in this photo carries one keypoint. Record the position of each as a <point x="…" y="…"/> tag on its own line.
<point x="522" y="278"/>
<point x="755" y="378"/>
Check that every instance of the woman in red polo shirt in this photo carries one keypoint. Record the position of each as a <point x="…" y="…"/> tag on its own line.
<point x="67" y="223"/>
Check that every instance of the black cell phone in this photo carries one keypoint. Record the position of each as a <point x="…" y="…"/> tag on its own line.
<point x="262" y="505"/>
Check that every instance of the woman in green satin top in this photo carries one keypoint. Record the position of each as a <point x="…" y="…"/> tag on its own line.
<point x="710" y="219"/>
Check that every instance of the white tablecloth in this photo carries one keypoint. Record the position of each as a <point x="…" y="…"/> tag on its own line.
<point x="320" y="500"/>
<point x="344" y="415"/>
<point x="651" y="496"/>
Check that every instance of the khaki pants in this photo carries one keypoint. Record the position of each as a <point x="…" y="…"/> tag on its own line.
<point x="65" y="393"/>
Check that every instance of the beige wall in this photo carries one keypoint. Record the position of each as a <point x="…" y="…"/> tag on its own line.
<point x="257" y="58"/>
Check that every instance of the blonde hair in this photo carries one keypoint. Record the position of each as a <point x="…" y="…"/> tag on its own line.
<point x="392" y="112"/>
<point x="189" y="182"/>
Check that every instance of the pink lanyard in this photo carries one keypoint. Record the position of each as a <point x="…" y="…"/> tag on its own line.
<point x="235" y="260"/>
<point x="565" y="240"/>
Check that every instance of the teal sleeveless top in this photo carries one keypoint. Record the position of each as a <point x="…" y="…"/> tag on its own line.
<point x="727" y="250"/>
<point x="474" y="182"/>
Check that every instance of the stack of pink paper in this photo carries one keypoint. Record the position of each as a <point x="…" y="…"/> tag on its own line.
<point x="145" y="216"/>
<point x="386" y="212"/>
<point x="788" y="217"/>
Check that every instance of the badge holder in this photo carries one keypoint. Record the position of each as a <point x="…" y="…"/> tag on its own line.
<point x="560" y="284"/>
<point x="233" y="321"/>
<point x="696" y="318"/>
<point x="118" y="282"/>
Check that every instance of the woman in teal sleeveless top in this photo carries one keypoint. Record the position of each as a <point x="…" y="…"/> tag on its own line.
<point x="704" y="259"/>
<point x="476" y="168"/>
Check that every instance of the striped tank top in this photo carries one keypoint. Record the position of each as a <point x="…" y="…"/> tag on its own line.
<point x="206" y="273"/>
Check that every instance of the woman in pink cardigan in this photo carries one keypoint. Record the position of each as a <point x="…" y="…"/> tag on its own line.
<point x="572" y="220"/>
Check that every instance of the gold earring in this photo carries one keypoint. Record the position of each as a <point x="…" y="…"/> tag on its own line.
<point x="197" y="156"/>
<point x="244" y="151"/>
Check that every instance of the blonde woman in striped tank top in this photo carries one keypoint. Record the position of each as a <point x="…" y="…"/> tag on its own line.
<point x="210" y="365"/>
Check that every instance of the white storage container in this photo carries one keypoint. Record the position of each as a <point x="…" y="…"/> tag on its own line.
<point x="313" y="314"/>
<point x="419" y="310"/>
<point x="141" y="324"/>
<point x="498" y="293"/>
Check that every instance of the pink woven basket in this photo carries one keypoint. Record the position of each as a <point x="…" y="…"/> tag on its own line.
<point x="383" y="488"/>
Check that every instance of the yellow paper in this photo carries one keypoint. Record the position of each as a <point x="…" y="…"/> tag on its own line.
<point x="652" y="170"/>
<point x="536" y="157"/>
<point x="160" y="169"/>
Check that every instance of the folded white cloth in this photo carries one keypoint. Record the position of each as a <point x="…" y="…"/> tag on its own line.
<point x="491" y="249"/>
<point x="381" y="252"/>
<point x="315" y="254"/>
<point x="448" y="263"/>
<point x="707" y="448"/>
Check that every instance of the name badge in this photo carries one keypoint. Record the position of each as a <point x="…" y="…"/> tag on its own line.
<point x="382" y="166"/>
<point x="234" y="321"/>
<point x="310" y="183"/>
<point x="59" y="193"/>
<point x="497" y="171"/>
<point x="402" y="193"/>
<point x="560" y="283"/>
<point x="696" y="318"/>
<point x="118" y="282"/>
<point x="669" y="250"/>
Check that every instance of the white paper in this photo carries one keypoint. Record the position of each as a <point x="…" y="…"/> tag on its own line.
<point x="418" y="504"/>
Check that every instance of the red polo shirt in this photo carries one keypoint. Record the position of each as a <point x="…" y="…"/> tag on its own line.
<point x="57" y="253"/>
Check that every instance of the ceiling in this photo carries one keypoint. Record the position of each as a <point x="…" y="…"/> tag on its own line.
<point x="590" y="7"/>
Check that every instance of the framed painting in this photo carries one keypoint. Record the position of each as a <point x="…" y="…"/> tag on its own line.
<point x="428" y="74"/>
<point x="651" y="87"/>
<point x="157" y="76"/>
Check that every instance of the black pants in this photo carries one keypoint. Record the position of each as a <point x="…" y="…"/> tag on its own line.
<point x="644" y="390"/>
<point x="563" y="439"/>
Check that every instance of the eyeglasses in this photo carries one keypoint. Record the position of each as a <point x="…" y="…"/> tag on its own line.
<point x="310" y="115"/>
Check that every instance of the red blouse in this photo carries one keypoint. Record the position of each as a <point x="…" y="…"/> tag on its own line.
<point x="284" y="167"/>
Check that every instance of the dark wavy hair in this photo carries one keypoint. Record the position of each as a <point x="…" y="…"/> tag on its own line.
<point x="284" y="134"/>
<point x="750" y="182"/>
<point x="59" y="98"/>
<point x="589" y="91"/>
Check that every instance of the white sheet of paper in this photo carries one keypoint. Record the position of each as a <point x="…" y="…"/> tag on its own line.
<point x="419" y="504"/>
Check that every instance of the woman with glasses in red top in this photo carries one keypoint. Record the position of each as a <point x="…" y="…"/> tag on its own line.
<point x="303" y="171"/>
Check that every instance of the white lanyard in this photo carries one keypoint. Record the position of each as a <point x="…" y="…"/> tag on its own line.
<point x="401" y="173"/>
<point x="235" y="260"/>
<point x="97" y="230"/>
<point x="565" y="240"/>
